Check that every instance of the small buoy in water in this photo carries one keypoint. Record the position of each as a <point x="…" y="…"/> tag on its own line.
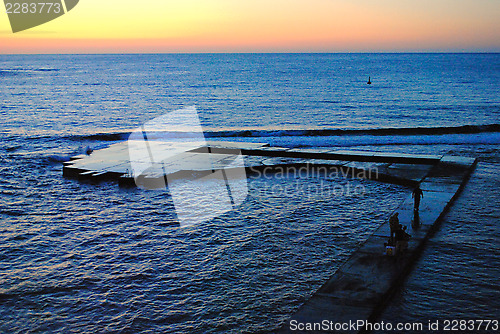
<point x="369" y="82"/>
<point x="88" y="150"/>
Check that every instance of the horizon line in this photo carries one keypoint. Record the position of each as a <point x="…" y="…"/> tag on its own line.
<point x="257" y="52"/>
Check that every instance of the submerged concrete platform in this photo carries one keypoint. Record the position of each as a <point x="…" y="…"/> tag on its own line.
<point x="114" y="162"/>
<point x="361" y="287"/>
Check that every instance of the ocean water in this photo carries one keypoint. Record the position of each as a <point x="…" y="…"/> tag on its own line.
<point x="84" y="257"/>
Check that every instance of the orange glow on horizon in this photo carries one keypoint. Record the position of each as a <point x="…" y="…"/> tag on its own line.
<point x="260" y="26"/>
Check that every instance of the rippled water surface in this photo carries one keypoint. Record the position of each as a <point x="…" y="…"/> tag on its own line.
<point x="92" y="257"/>
<point x="105" y="258"/>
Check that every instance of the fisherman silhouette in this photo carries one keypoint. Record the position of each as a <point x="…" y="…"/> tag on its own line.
<point x="417" y="194"/>
<point x="394" y="226"/>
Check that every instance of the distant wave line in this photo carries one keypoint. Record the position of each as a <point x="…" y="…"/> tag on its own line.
<point x="464" y="129"/>
<point x="261" y="133"/>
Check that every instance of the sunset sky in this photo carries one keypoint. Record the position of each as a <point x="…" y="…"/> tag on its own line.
<point x="117" y="26"/>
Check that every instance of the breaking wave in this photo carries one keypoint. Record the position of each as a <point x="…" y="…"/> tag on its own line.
<point x="465" y="129"/>
<point x="473" y="134"/>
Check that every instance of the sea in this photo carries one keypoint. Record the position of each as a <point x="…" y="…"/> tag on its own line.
<point x="96" y="258"/>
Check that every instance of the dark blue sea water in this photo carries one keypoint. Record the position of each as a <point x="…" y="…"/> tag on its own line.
<point x="80" y="257"/>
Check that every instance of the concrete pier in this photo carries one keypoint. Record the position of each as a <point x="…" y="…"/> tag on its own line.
<point x="362" y="286"/>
